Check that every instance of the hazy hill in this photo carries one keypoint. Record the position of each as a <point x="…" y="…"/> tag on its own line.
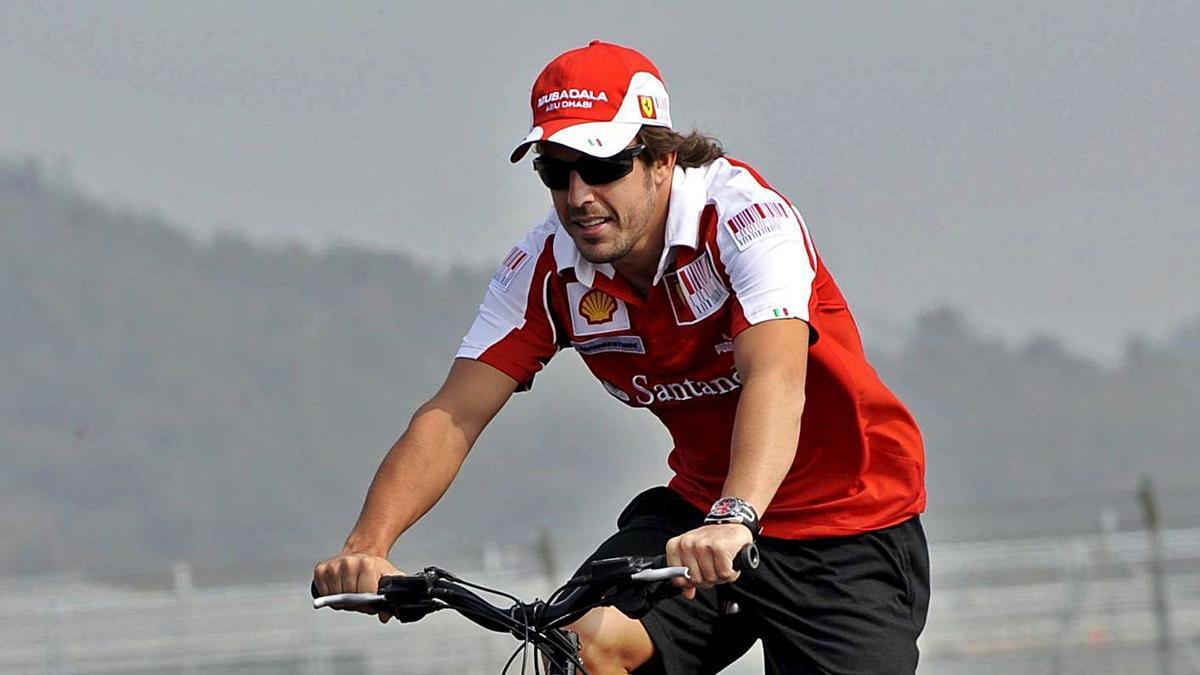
<point x="1033" y="438"/>
<point x="163" y="400"/>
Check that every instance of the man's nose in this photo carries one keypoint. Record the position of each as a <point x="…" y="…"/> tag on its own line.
<point x="579" y="193"/>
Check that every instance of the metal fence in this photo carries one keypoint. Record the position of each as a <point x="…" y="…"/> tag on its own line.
<point x="1054" y="605"/>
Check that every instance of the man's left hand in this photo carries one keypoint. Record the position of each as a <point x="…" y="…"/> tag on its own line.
<point x="708" y="552"/>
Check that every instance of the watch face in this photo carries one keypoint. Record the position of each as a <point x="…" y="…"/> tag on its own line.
<point x="723" y="507"/>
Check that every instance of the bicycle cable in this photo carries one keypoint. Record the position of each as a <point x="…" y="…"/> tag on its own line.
<point x="470" y="605"/>
<point x="513" y="657"/>
<point x="571" y="654"/>
<point x="525" y="650"/>
<point x="450" y="576"/>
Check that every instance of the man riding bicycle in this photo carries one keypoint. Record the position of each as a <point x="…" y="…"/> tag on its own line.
<point x="692" y="288"/>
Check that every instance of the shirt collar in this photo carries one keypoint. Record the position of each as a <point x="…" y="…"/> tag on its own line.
<point x="689" y="194"/>
<point x="687" y="201"/>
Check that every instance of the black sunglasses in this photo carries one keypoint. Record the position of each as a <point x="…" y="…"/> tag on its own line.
<point x="556" y="174"/>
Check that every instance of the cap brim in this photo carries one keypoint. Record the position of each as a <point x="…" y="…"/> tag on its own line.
<point x="598" y="139"/>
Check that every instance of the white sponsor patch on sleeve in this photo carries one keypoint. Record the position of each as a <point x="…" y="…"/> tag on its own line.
<point x="759" y="221"/>
<point x="513" y="262"/>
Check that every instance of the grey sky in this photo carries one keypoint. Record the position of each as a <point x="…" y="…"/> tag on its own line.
<point x="1035" y="163"/>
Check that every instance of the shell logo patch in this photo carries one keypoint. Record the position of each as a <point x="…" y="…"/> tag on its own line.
<point x="594" y="311"/>
<point x="649" y="111"/>
<point x="597" y="307"/>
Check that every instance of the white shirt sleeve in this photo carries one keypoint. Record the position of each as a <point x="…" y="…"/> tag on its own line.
<point x="769" y="259"/>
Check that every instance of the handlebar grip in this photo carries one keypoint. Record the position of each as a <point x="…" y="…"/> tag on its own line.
<point x="747" y="559"/>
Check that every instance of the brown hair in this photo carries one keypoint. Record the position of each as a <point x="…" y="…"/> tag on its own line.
<point x="694" y="149"/>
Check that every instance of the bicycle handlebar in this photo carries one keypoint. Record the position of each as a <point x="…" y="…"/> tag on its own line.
<point x="410" y="598"/>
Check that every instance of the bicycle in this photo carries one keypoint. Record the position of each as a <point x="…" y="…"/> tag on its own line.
<point x="539" y="623"/>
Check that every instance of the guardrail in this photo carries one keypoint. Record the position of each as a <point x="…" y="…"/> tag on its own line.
<point x="1061" y="604"/>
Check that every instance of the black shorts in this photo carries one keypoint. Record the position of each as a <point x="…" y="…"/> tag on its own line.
<point x="841" y="605"/>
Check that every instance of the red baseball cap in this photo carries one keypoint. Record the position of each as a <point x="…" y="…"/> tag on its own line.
<point x="595" y="99"/>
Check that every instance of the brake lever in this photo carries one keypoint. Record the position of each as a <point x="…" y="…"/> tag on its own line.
<point x="409" y="598"/>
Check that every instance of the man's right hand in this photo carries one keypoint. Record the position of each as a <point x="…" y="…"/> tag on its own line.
<point x="353" y="573"/>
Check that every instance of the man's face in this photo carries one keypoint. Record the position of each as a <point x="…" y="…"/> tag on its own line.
<point x="607" y="221"/>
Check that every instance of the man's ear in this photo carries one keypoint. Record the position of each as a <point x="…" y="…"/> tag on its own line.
<point x="664" y="166"/>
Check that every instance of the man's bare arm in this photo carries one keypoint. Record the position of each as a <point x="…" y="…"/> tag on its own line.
<point x="772" y="362"/>
<point x="415" y="473"/>
<point x="421" y="465"/>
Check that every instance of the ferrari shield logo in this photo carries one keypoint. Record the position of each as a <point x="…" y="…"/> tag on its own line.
<point x="648" y="109"/>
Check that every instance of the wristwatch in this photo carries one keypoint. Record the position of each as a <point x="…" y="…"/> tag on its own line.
<point x="733" y="510"/>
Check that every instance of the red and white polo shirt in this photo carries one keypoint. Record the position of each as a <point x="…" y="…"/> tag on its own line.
<point x="737" y="254"/>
